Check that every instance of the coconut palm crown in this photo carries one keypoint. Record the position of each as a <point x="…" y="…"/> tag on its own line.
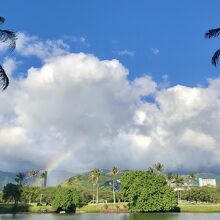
<point x="9" y="37"/>
<point x="210" y="34"/>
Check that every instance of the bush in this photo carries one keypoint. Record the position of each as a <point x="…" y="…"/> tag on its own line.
<point x="201" y="194"/>
<point x="147" y="192"/>
<point x="105" y="206"/>
<point x="11" y="192"/>
<point x="66" y="199"/>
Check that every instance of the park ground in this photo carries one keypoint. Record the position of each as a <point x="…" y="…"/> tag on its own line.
<point x="102" y="208"/>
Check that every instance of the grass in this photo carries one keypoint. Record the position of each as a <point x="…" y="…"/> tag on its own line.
<point x="109" y="207"/>
<point x="8" y="208"/>
<point x="199" y="208"/>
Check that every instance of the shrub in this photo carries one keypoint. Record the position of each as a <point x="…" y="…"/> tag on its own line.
<point x="147" y="192"/>
<point x="66" y="199"/>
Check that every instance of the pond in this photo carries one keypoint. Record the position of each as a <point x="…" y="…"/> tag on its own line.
<point x="90" y="216"/>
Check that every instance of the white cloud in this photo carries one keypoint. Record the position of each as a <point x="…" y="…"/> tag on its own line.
<point x="155" y="51"/>
<point x="126" y="53"/>
<point x="78" y="39"/>
<point x="86" y="112"/>
<point x="32" y="46"/>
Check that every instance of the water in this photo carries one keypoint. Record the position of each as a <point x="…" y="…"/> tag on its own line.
<point x="166" y="216"/>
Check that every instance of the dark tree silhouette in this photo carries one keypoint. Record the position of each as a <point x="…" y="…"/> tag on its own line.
<point x="9" y="37"/>
<point x="210" y="34"/>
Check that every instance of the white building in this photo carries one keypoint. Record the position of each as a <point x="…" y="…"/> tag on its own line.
<point x="207" y="182"/>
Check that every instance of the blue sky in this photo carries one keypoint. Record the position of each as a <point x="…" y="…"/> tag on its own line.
<point x="78" y="111"/>
<point x="129" y="31"/>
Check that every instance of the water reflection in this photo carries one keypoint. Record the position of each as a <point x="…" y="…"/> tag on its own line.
<point x="158" y="216"/>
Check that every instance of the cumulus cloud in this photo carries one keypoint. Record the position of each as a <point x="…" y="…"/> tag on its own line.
<point x="32" y="46"/>
<point x="84" y="112"/>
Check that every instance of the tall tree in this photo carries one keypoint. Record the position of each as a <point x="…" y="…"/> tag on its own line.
<point x="9" y="37"/>
<point x="92" y="179"/>
<point x="169" y="178"/>
<point x="97" y="173"/>
<point x="210" y="34"/>
<point x="114" y="172"/>
<point x="191" y="177"/>
<point x="12" y="192"/>
<point x="159" y="168"/>
<point x="32" y="173"/>
<point x="43" y="177"/>
<point x="20" y="178"/>
<point x="151" y="170"/>
<point x="179" y="182"/>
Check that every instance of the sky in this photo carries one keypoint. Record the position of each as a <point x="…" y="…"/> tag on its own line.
<point x="110" y="83"/>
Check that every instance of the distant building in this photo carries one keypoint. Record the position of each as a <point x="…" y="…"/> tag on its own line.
<point x="207" y="182"/>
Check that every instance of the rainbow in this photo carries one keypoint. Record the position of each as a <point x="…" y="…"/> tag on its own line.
<point x="60" y="158"/>
<point x="53" y="164"/>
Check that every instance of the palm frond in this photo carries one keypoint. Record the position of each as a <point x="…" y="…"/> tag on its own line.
<point x="4" y="81"/>
<point x="215" y="58"/>
<point x="9" y="37"/>
<point x="212" y="33"/>
<point x="2" y="20"/>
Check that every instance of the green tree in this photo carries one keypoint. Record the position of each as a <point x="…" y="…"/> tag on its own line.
<point x="66" y="199"/>
<point x="43" y="177"/>
<point x="191" y="177"/>
<point x="210" y="34"/>
<point x="20" y="178"/>
<point x="11" y="192"/>
<point x="151" y="170"/>
<point x="179" y="183"/>
<point x="97" y="173"/>
<point x="169" y="177"/>
<point x="159" y="168"/>
<point x="114" y="172"/>
<point x="147" y="192"/>
<point x="201" y="194"/>
<point x="32" y="173"/>
<point x="10" y="38"/>
<point x="92" y="178"/>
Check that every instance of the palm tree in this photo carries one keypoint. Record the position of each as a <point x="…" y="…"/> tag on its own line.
<point x="97" y="173"/>
<point x="10" y="38"/>
<point x="43" y="176"/>
<point x="32" y="173"/>
<point x="114" y="172"/>
<point x="169" y="178"/>
<point x="92" y="178"/>
<point x="151" y="170"/>
<point x="191" y="177"/>
<point x="20" y="178"/>
<point x="159" y="168"/>
<point x="210" y="34"/>
<point x="179" y="181"/>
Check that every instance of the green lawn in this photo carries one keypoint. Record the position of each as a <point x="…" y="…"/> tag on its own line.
<point x="8" y="208"/>
<point x="199" y="208"/>
<point x="109" y="207"/>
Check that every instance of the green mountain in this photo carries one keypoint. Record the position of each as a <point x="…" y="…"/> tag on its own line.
<point x="83" y="182"/>
<point x="6" y="177"/>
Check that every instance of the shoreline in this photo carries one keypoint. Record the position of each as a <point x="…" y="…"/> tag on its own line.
<point x="100" y="208"/>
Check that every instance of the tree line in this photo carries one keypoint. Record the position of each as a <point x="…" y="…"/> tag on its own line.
<point x="147" y="190"/>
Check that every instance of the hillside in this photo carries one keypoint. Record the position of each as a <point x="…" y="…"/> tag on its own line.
<point x="82" y="181"/>
<point x="6" y="177"/>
